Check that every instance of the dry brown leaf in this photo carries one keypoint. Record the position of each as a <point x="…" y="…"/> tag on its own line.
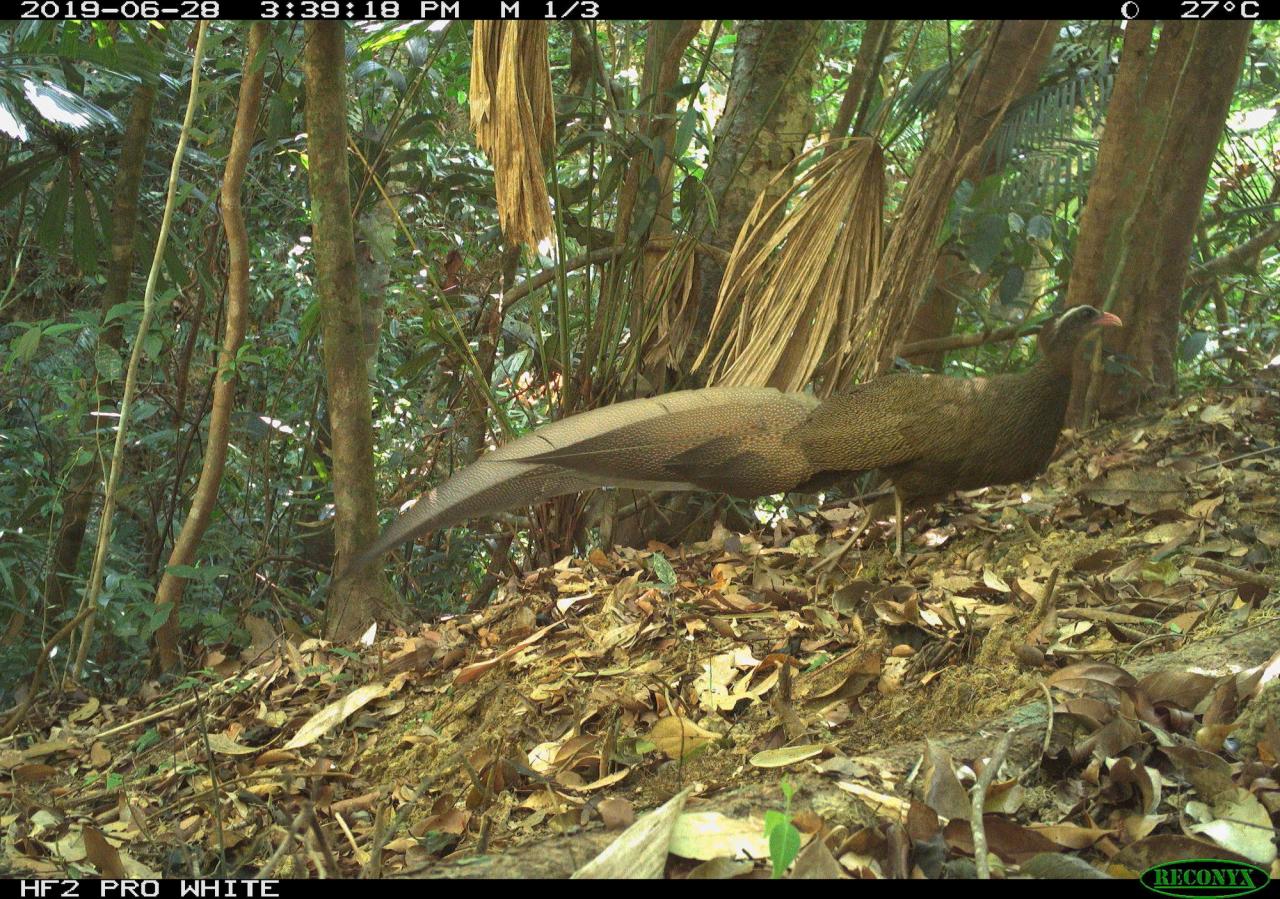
<point x="1142" y="490"/>
<point x="102" y="854"/>
<point x="678" y="737"/>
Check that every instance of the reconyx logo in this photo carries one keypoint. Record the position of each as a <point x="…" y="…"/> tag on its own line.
<point x="1204" y="878"/>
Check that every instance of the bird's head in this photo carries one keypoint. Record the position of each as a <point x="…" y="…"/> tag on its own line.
<point x="1060" y="337"/>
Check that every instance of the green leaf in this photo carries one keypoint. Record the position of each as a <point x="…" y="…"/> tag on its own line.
<point x="149" y="738"/>
<point x="108" y="363"/>
<point x="60" y="107"/>
<point x="309" y="321"/>
<point x="1165" y="572"/>
<point x="84" y="236"/>
<point x="987" y="241"/>
<point x="1039" y="227"/>
<point x="156" y="617"/>
<point x="49" y="234"/>
<point x="684" y="133"/>
<point x="117" y="311"/>
<point x="63" y="328"/>
<point x="24" y="347"/>
<point x="1193" y="345"/>
<point x="1011" y="285"/>
<point x="784" y="842"/>
<point x="662" y="570"/>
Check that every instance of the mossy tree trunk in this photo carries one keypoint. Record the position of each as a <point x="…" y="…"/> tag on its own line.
<point x="1163" y="126"/>
<point x="363" y="597"/>
<point x="767" y="117"/>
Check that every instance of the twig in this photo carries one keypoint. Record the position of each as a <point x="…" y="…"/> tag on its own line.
<point x="390" y="830"/>
<point x="299" y="823"/>
<point x="980" y="800"/>
<point x="329" y="868"/>
<point x="963" y="341"/>
<point x="235" y="681"/>
<point x="1248" y="455"/>
<point x="196" y="798"/>
<point x="1258" y="579"/>
<point x="373" y="866"/>
<point x="215" y="785"/>
<point x="546" y="276"/>
<point x="1046" y="611"/>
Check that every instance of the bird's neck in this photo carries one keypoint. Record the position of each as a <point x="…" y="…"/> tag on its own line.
<point x="1047" y="386"/>
<point x="1060" y="365"/>
<point x="1048" y="383"/>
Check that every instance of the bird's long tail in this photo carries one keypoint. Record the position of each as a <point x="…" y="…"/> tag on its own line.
<point x="483" y="488"/>
<point x="648" y="444"/>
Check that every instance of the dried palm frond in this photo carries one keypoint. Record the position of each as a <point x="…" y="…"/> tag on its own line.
<point x="661" y="317"/>
<point x="513" y="120"/>
<point x="796" y="286"/>
<point x="958" y="135"/>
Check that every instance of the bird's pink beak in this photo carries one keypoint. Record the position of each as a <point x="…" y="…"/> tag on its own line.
<point x="1107" y="320"/>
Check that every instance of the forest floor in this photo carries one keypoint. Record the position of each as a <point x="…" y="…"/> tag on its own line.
<point x="1133" y="589"/>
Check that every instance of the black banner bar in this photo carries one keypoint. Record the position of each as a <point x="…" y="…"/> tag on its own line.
<point x="588" y="10"/>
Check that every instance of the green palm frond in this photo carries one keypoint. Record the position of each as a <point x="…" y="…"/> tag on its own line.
<point x="1040" y="143"/>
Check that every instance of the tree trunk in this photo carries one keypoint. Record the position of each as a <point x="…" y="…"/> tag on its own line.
<point x="664" y="48"/>
<point x="852" y="115"/>
<point x="224" y="388"/>
<point x="767" y="116"/>
<point x="363" y="597"/>
<point x="1166" y="117"/>
<point x="1017" y="59"/>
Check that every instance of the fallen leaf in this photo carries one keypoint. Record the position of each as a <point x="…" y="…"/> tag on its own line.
<point x="334" y="714"/>
<point x="678" y="737"/>
<point x="783" y="756"/>
<point x="102" y="854"/>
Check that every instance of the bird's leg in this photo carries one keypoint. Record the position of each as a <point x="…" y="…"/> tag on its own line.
<point x="897" y="520"/>
<point x="832" y="558"/>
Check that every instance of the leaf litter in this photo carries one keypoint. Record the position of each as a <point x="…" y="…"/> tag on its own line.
<point x="1133" y="587"/>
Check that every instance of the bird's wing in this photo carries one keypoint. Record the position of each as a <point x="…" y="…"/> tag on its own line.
<point x="883" y="423"/>
<point x="733" y="439"/>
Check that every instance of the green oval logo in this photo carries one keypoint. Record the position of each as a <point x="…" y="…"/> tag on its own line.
<point x="1204" y="878"/>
